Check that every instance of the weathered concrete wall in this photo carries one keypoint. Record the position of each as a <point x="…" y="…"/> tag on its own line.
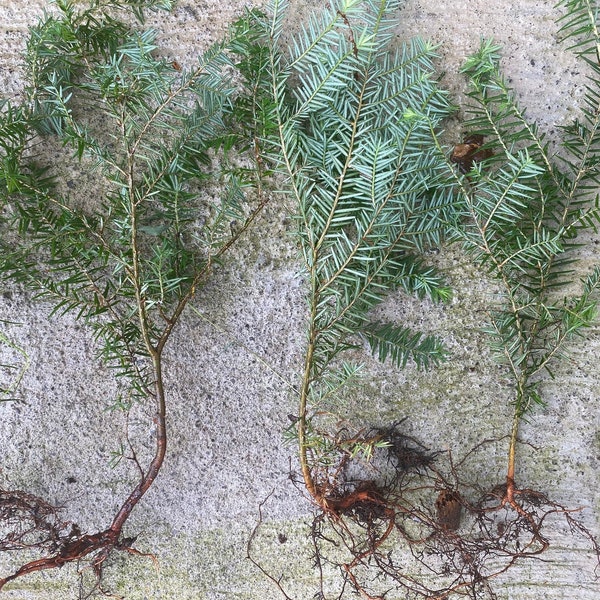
<point x="227" y="410"/>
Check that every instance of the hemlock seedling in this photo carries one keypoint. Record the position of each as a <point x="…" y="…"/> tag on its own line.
<point x="127" y="261"/>
<point x="355" y="146"/>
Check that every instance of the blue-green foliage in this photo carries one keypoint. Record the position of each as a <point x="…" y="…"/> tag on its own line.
<point x="523" y="208"/>
<point x="357" y="117"/>
<point x="128" y="257"/>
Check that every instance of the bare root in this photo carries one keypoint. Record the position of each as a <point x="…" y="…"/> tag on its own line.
<point x="405" y="521"/>
<point x="30" y="523"/>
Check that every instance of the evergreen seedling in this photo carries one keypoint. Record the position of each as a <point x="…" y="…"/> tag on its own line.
<point x="127" y="260"/>
<point x="355" y="142"/>
<point x="357" y="119"/>
<point x="524" y="208"/>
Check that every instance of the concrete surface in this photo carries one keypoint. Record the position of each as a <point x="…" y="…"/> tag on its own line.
<point x="227" y="410"/>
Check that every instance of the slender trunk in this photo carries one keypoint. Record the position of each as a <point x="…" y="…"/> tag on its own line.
<point x="307" y="474"/>
<point x="510" y="472"/>
<point x="159" y="455"/>
<point x="514" y="434"/>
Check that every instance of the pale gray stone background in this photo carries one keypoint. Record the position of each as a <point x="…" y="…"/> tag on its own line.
<point x="227" y="410"/>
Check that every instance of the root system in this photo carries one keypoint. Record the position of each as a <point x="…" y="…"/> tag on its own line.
<point x="407" y="525"/>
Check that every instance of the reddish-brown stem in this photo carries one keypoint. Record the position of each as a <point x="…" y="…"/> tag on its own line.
<point x="159" y="455"/>
<point x="510" y="472"/>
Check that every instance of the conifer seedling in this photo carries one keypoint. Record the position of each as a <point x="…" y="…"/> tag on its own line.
<point x="357" y="122"/>
<point x="126" y="260"/>
<point x="526" y="207"/>
<point x="524" y="210"/>
<point x="355" y="146"/>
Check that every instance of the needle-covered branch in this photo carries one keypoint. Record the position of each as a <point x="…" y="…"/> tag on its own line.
<point x="127" y="258"/>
